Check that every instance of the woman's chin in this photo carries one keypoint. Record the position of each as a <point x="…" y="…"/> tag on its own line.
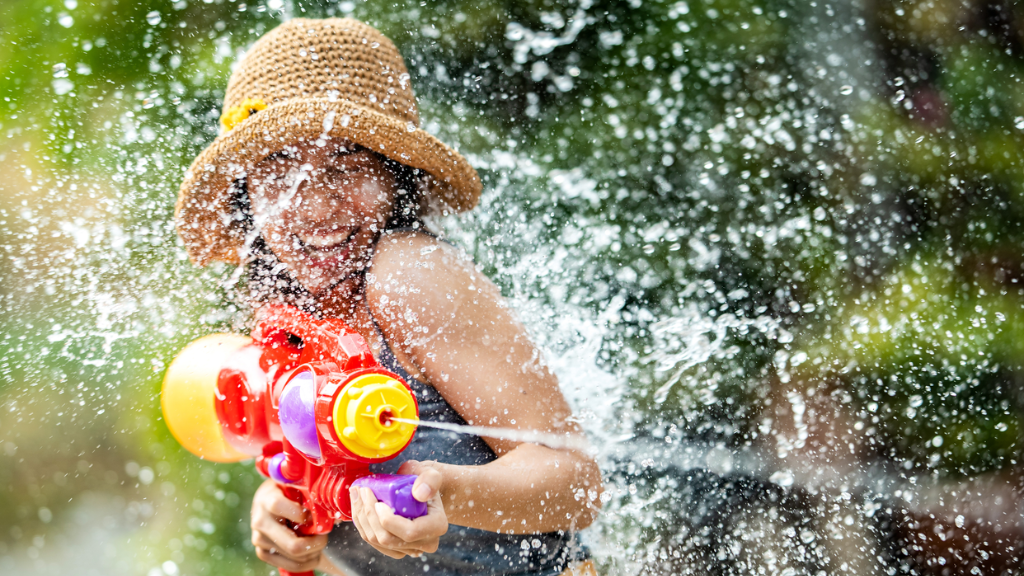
<point x="323" y="287"/>
<point x="322" y="281"/>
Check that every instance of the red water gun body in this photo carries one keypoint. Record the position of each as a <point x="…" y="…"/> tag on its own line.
<point x="307" y="399"/>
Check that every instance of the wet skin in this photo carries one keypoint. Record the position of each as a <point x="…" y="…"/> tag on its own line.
<point x="320" y="210"/>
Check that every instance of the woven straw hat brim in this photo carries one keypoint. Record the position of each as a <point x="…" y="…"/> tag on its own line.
<point x="203" y="213"/>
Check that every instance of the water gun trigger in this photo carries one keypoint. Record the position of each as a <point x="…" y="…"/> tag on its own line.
<point x="396" y="492"/>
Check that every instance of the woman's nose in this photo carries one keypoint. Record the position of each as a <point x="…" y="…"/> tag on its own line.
<point x="317" y="202"/>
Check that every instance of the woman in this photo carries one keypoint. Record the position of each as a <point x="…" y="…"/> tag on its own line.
<point x="317" y="185"/>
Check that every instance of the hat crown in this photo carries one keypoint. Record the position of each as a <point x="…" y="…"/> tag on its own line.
<point x="337" y="59"/>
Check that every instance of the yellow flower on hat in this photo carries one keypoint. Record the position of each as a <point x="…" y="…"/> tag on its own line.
<point x="233" y="116"/>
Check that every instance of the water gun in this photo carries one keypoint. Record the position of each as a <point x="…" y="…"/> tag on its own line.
<point x="307" y="400"/>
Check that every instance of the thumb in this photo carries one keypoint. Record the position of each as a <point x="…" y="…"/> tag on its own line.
<point x="428" y="479"/>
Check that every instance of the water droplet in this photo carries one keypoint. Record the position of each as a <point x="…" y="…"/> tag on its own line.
<point x="846" y="90"/>
<point x="1018" y="122"/>
<point x="1001" y="426"/>
<point x="959" y="521"/>
<point x="329" y="121"/>
<point x="783" y="478"/>
<point x="71" y="4"/>
<point x="65" y="20"/>
<point x="868" y="179"/>
<point x="937" y="441"/>
<point x="62" y="86"/>
<point x="153" y="18"/>
<point x="60" y="70"/>
<point x="539" y="70"/>
<point x="609" y="39"/>
<point x="916" y="400"/>
<point x="275" y="4"/>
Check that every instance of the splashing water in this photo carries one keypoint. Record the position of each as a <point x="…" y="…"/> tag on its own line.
<point x="770" y="249"/>
<point x="683" y="342"/>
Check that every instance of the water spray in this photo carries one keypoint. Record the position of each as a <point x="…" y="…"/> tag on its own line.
<point x="549" y="439"/>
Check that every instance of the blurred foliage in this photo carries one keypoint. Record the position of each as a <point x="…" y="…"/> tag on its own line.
<point x="749" y="193"/>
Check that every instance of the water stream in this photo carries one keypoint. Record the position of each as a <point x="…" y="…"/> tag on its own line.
<point x="558" y="441"/>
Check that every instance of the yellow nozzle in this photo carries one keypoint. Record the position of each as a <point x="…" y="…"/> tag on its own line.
<point x="188" y="394"/>
<point x="364" y="412"/>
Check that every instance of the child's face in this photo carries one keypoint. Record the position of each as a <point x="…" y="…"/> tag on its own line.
<point x="319" y="209"/>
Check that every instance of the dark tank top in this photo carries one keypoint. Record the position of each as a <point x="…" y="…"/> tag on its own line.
<point x="462" y="551"/>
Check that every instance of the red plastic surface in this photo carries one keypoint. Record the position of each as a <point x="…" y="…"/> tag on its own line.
<point x="284" y="341"/>
<point x="241" y="401"/>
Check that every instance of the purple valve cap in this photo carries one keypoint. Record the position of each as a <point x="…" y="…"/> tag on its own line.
<point x="274" y="469"/>
<point x="396" y="492"/>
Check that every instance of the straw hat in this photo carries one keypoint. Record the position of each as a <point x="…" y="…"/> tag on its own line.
<point x="306" y="80"/>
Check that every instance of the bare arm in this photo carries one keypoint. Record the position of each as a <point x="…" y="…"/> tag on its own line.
<point x="528" y="490"/>
<point x="450" y="321"/>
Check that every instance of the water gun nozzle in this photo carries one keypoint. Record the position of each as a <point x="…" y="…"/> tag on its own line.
<point x="367" y="416"/>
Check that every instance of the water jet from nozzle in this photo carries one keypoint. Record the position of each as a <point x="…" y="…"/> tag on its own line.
<point x="551" y="440"/>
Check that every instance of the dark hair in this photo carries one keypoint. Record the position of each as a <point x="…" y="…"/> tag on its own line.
<point x="268" y="278"/>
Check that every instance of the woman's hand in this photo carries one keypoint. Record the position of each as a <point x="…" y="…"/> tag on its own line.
<point x="394" y="535"/>
<point x="276" y="543"/>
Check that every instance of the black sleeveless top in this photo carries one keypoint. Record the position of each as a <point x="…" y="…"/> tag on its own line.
<point x="462" y="551"/>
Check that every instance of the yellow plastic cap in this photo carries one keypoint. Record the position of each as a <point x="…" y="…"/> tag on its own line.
<point x="188" y="394"/>
<point x="363" y="412"/>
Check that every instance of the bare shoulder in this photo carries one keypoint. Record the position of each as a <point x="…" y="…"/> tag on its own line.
<point x="418" y="276"/>
<point x="409" y="252"/>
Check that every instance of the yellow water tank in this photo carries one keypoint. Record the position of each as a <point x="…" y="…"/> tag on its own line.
<point x="188" y="394"/>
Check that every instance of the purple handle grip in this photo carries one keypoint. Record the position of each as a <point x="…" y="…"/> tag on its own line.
<point x="396" y="492"/>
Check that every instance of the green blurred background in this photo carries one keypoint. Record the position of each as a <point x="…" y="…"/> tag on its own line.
<point x="791" y="229"/>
